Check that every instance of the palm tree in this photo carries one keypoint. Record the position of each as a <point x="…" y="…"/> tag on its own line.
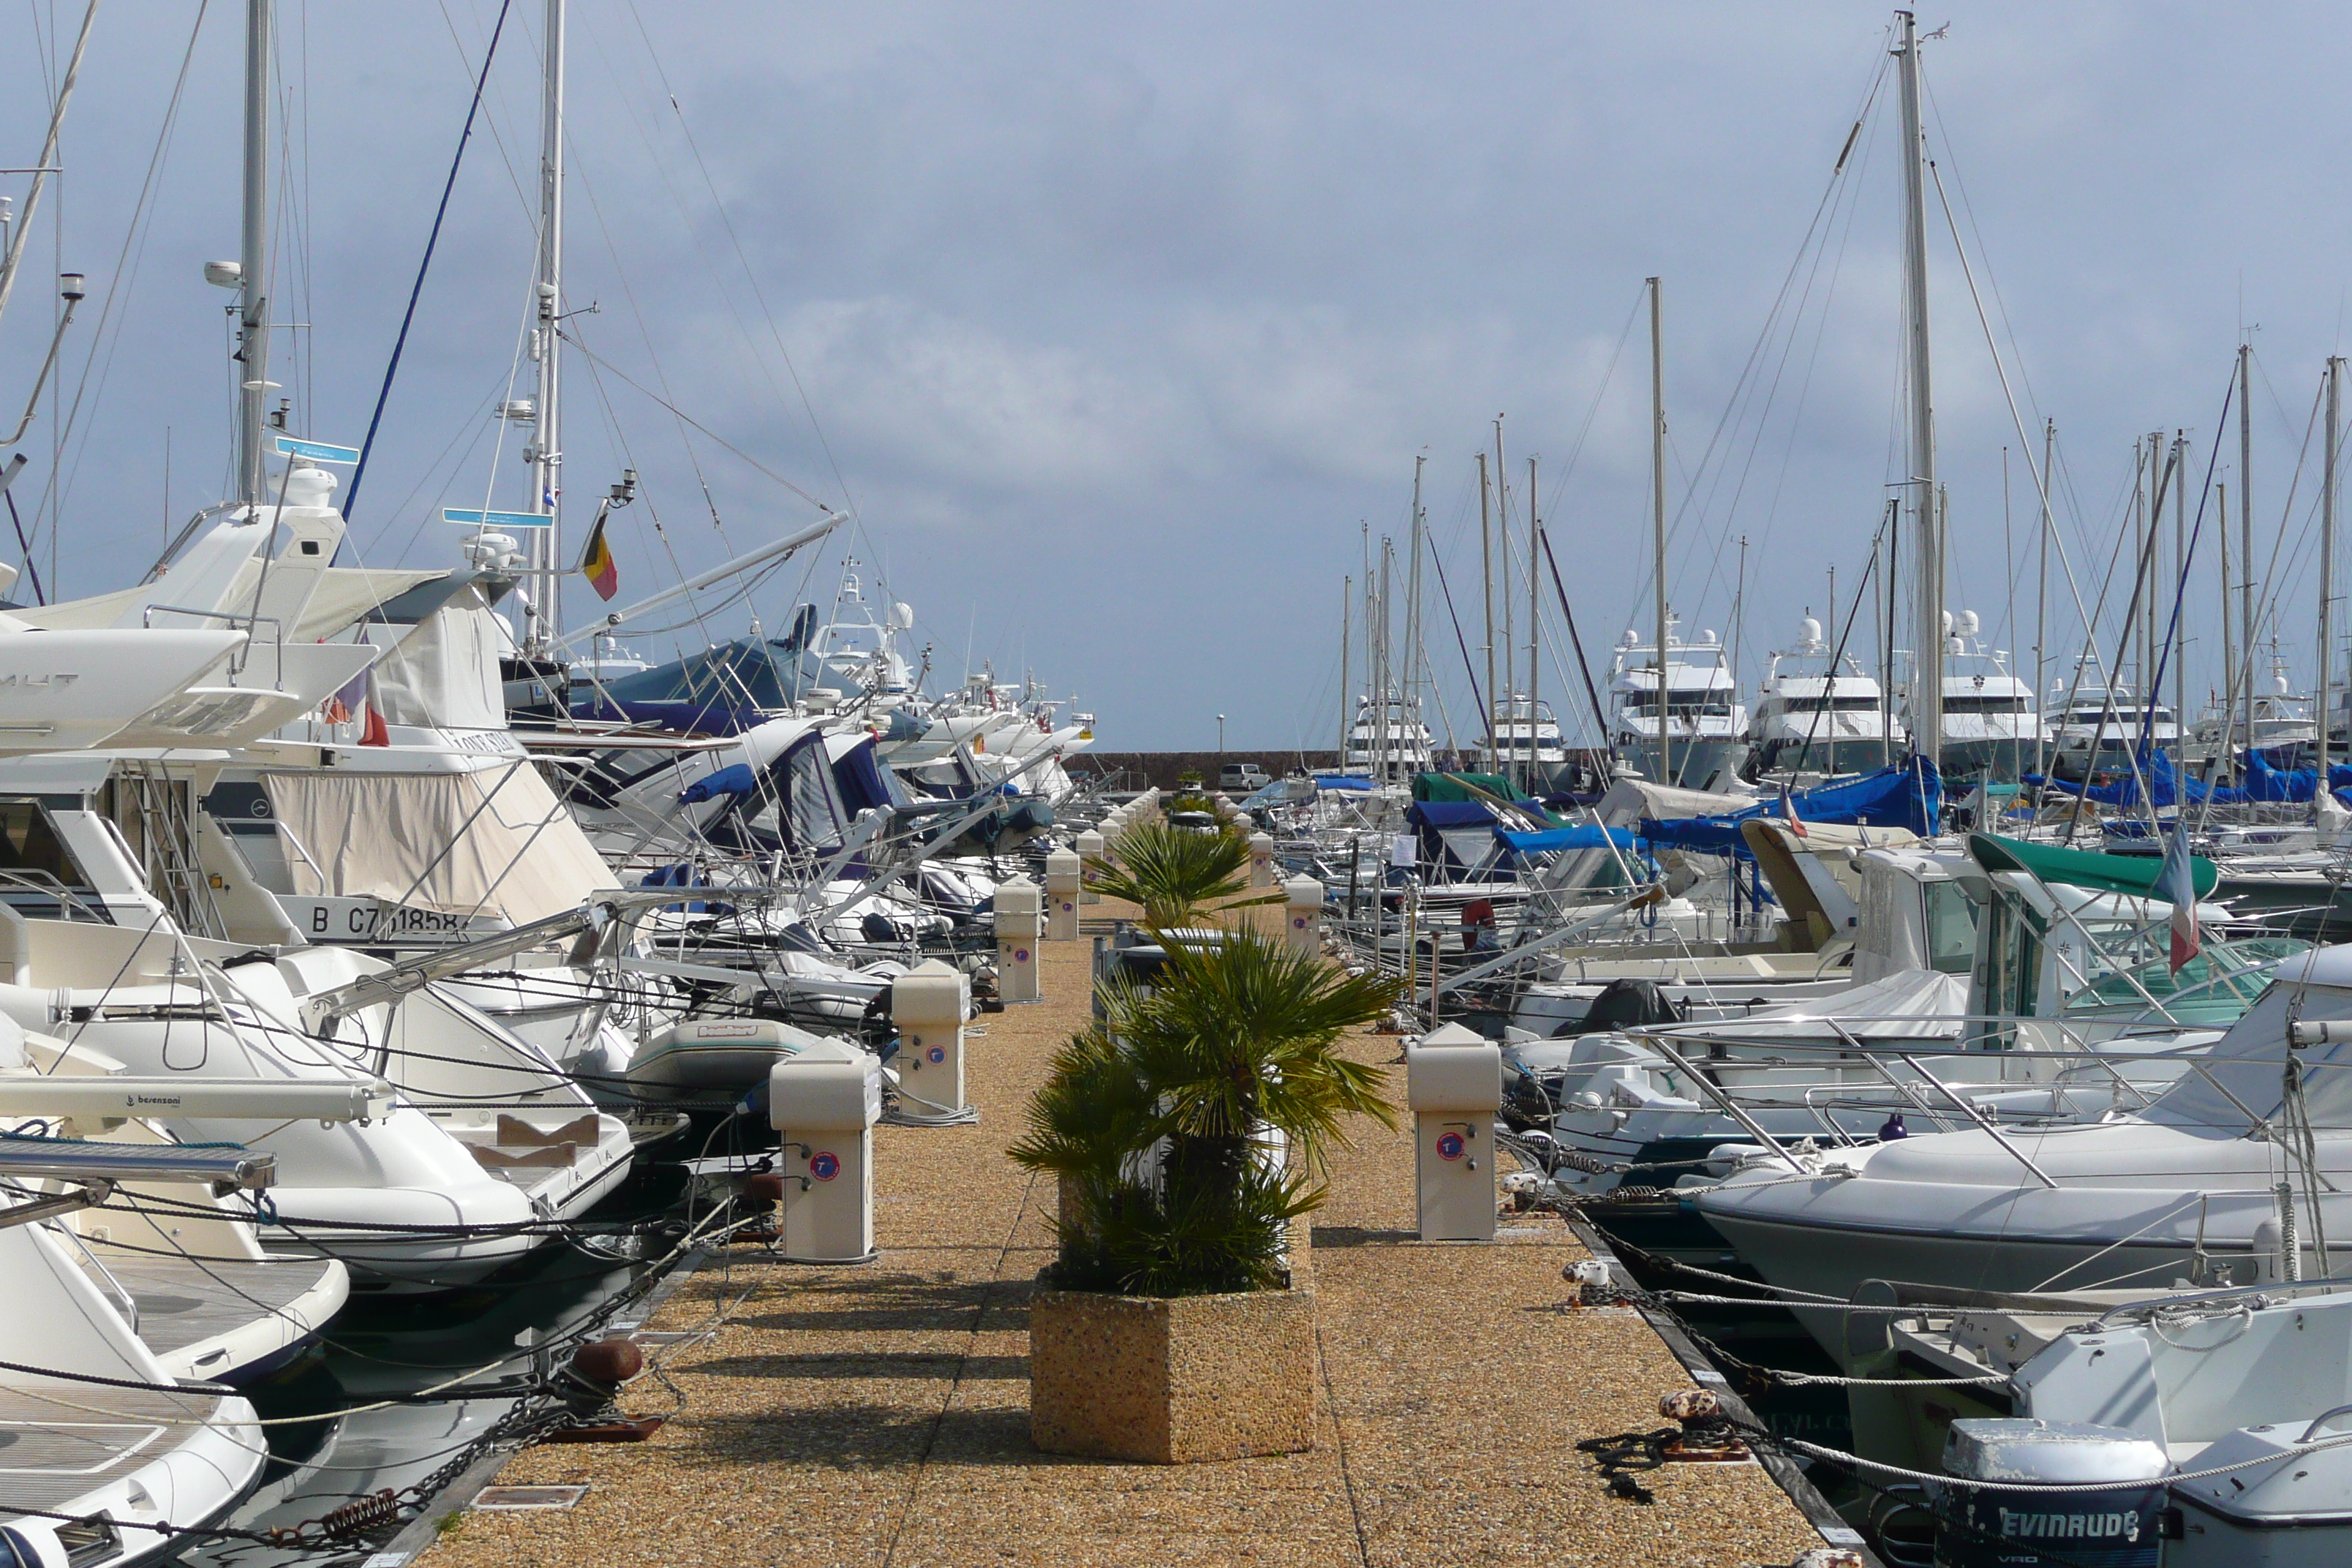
<point x="1178" y="877"/>
<point x="1193" y="1123"/>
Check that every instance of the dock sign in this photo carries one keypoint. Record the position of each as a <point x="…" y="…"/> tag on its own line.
<point x="316" y="451"/>
<point x="474" y="516"/>
<point x="824" y="1165"/>
<point x="1449" y="1146"/>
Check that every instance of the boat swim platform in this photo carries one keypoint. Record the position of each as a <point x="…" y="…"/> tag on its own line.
<point x="879" y="1416"/>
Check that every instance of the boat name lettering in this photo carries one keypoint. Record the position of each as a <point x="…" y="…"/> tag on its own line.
<point x="374" y="924"/>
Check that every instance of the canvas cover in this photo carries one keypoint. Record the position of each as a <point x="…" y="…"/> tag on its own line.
<point x="443" y="673"/>
<point x="420" y="839"/>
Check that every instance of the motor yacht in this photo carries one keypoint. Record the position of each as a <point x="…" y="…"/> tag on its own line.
<point x="2241" y="1173"/>
<point x="1810" y="723"/>
<point x="1704" y="725"/>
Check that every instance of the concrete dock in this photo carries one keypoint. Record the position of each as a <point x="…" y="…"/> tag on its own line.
<point x="877" y="1416"/>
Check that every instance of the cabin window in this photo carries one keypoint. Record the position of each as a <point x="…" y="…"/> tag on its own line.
<point x="1951" y="928"/>
<point x="39" y="876"/>
<point x="808" y="783"/>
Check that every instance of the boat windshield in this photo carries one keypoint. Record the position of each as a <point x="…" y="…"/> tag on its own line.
<point x="2215" y="987"/>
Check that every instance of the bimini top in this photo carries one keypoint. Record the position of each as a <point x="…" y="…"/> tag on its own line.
<point x="2133" y="874"/>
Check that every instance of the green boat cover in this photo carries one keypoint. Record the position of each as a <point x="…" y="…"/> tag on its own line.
<point x="1451" y="786"/>
<point x="1462" y="789"/>
<point x="2132" y="874"/>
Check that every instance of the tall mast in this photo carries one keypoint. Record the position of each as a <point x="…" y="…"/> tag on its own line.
<point x="1412" y="654"/>
<point x="2246" y="531"/>
<point x="1487" y="570"/>
<point x="1927" y="663"/>
<point x="2327" y="552"/>
<point x="546" y="453"/>
<point x="2041" y="605"/>
<point x="1389" y="677"/>
<point x="253" y="287"/>
<point x="1346" y="700"/>
<point x="2181" y="572"/>
<point x="1535" y="640"/>
<point x="2229" y="638"/>
<point x="1658" y="517"/>
<point x="1502" y="695"/>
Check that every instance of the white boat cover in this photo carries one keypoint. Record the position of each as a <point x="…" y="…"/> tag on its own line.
<point x="1904" y="1005"/>
<point x="379" y="834"/>
<point x="443" y="673"/>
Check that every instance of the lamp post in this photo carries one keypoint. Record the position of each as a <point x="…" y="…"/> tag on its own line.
<point x="1221" y="734"/>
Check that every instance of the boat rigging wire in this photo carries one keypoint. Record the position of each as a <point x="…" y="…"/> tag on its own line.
<point x="425" y="263"/>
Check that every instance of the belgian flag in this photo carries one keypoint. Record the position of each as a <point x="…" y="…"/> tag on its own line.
<point x="596" y="563"/>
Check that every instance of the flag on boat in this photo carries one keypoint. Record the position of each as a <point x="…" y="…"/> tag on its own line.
<point x="596" y="563"/>
<point x="339" y="708"/>
<point x="2177" y="883"/>
<point x="1788" y="810"/>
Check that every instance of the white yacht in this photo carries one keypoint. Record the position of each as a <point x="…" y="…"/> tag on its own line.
<point x="2107" y="712"/>
<point x="2237" y="1175"/>
<point x="1388" y="737"/>
<point x="1704" y="722"/>
<point x="1991" y="729"/>
<point x="1526" y="740"/>
<point x="1812" y="723"/>
<point x="103" y="1476"/>
<point x="2283" y="724"/>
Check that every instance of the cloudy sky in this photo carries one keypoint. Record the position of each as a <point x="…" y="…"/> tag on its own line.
<point x="1114" y="327"/>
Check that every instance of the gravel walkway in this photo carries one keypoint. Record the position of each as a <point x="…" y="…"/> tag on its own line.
<point x="879" y="1416"/>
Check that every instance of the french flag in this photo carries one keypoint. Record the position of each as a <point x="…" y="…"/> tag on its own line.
<point x="2178" y="884"/>
<point x="1788" y="810"/>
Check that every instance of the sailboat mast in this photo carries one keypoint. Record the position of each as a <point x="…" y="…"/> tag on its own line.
<point x="1413" y="654"/>
<point x="2179" y="572"/>
<point x="1535" y="640"/>
<point x="253" y="287"/>
<point x="1486" y="572"/>
<point x="2041" y="606"/>
<point x="1347" y="637"/>
<point x="1927" y="662"/>
<point x="2246" y="530"/>
<point x="1658" y="517"/>
<point x="2229" y="633"/>
<point x="546" y="453"/>
<point x="2327" y="551"/>
<point x="1502" y="696"/>
<point x="1389" y="675"/>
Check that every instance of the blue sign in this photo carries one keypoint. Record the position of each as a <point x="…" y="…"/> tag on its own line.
<point x="825" y="1166"/>
<point x="939" y="1054"/>
<point x="473" y="517"/>
<point x="1449" y="1146"/>
<point x="316" y="451"/>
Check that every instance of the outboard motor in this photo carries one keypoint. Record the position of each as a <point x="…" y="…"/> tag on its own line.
<point x="2120" y="1525"/>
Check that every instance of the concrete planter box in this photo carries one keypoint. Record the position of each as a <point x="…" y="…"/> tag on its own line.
<point x="1172" y="1380"/>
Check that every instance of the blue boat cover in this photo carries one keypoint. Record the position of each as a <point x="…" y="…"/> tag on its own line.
<point x="2166" y="786"/>
<point x="739" y="779"/>
<point x="1580" y="836"/>
<point x="1342" y="780"/>
<point x="1907" y="794"/>
<point x="721" y="691"/>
